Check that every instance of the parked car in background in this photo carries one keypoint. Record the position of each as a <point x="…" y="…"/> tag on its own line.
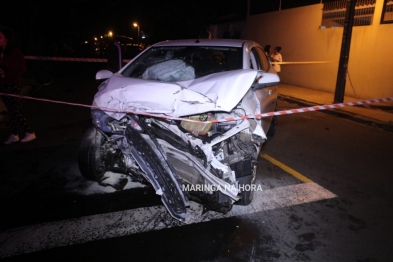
<point x="184" y="117"/>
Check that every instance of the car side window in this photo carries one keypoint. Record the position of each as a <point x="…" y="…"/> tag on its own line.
<point x="263" y="59"/>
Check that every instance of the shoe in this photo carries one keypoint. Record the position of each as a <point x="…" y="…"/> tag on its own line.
<point x="28" y="137"/>
<point x="11" y="139"/>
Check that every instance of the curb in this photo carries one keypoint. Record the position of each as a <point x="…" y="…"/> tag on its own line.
<point x="387" y="126"/>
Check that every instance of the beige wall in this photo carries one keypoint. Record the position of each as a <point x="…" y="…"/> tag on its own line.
<point x="298" y="32"/>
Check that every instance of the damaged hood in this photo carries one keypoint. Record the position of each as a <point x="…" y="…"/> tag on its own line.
<point x="215" y="92"/>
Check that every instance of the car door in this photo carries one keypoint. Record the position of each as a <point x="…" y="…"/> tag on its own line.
<point x="267" y="96"/>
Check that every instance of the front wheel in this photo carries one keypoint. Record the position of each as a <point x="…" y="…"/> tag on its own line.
<point x="247" y="193"/>
<point x="92" y="156"/>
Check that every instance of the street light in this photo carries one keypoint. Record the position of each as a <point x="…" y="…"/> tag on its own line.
<point x="136" y="25"/>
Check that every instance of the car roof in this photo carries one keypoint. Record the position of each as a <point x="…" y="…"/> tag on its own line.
<point x="204" y="42"/>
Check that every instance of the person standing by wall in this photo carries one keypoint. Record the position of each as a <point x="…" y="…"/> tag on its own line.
<point x="277" y="57"/>
<point x="12" y="68"/>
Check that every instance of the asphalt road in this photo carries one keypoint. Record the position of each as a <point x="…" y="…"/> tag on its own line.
<point x="342" y="213"/>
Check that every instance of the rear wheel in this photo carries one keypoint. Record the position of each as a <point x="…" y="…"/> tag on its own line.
<point x="92" y="156"/>
<point x="272" y="129"/>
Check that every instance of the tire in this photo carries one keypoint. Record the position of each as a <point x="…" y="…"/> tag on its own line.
<point x="91" y="156"/>
<point x="247" y="195"/>
<point x="272" y="128"/>
<point x="273" y="124"/>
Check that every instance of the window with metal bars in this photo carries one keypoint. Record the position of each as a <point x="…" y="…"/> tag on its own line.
<point x="334" y="13"/>
<point x="387" y="12"/>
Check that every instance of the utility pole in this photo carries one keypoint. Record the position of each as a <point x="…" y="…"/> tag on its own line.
<point x="344" y="56"/>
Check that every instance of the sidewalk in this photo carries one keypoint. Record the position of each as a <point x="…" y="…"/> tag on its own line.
<point x="379" y="114"/>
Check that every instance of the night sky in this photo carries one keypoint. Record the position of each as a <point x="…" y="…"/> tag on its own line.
<point x="84" y="18"/>
<point x="40" y="23"/>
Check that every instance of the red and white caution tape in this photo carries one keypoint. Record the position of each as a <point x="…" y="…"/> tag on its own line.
<point x="257" y="116"/>
<point x="308" y="109"/>
<point x="302" y="63"/>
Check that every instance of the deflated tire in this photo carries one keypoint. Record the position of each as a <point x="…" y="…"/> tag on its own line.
<point x="91" y="157"/>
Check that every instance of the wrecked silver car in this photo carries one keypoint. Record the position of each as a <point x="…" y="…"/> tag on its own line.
<point x="184" y="116"/>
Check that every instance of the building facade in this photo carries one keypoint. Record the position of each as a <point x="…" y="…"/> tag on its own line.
<point x="313" y="34"/>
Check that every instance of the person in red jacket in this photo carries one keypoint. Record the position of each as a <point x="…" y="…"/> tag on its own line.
<point x="12" y="68"/>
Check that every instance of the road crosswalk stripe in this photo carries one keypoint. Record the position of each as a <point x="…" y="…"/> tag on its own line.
<point x="18" y="241"/>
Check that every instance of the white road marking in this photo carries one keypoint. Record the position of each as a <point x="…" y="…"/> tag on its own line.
<point x="40" y="237"/>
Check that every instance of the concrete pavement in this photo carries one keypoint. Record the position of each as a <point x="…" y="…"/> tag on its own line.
<point x="375" y="114"/>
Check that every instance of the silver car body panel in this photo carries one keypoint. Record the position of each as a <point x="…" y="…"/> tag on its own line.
<point x="216" y="92"/>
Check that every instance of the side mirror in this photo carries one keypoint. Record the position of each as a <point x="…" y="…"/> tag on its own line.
<point x="103" y="74"/>
<point x="264" y="79"/>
